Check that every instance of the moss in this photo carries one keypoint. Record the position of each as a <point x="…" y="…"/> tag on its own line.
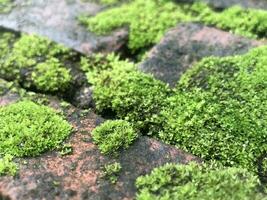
<point x="114" y="135"/>
<point x="28" y="129"/>
<point x="51" y="76"/>
<point x="246" y="22"/>
<point x="65" y="149"/>
<point x="111" y="172"/>
<point x="35" y="54"/>
<point x="130" y="94"/>
<point x="7" y="166"/>
<point x="193" y="182"/>
<point x="6" y="6"/>
<point x="97" y="63"/>
<point x="219" y="110"/>
<point x="149" y="20"/>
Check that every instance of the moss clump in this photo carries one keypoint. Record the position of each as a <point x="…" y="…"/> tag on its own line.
<point x="131" y="95"/>
<point x="32" y="55"/>
<point x="28" y="129"/>
<point x="219" y="110"/>
<point x="7" y="39"/>
<point x="147" y="20"/>
<point x="193" y="182"/>
<point x="51" y="76"/>
<point x="97" y="63"/>
<point x="5" y="6"/>
<point x="111" y="171"/>
<point x="7" y="166"/>
<point x="114" y="135"/>
<point x="246" y="22"/>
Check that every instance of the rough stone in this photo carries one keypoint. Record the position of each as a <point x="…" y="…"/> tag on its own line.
<point x="222" y="4"/>
<point x="188" y="43"/>
<point x="57" y="20"/>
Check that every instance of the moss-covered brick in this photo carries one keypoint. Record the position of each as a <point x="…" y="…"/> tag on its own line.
<point x="35" y="61"/>
<point x="193" y="182"/>
<point x="219" y="111"/>
<point x="148" y="20"/>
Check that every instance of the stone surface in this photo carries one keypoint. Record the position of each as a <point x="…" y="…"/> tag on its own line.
<point x="57" y="20"/>
<point x="80" y="174"/>
<point x="222" y="4"/>
<point x="187" y="43"/>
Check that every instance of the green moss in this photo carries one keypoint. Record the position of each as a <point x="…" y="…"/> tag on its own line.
<point x="97" y="63"/>
<point x="193" y="182"/>
<point x="114" y="135"/>
<point x="7" y="166"/>
<point x="6" y="6"/>
<point x="148" y="20"/>
<point x="111" y="171"/>
<point x="219" y="110"/>
<point x="246" y="22"/>
<point x="130" y="94"/>
<point x="65" y="149"/>
<point x="28" y="129"/>
<point x="51" y="76"/>
<point x="35" y="54"/>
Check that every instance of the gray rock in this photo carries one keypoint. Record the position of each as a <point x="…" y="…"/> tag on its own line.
<point x="222" y="4"/>
<point x="57" y="20"/>
<point x="188" y="43"/>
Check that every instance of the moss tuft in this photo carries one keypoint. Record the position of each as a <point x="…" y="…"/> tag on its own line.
<point x="246" y="22"/>
<point x="193" y="182"/>
<point x="7" y="166"/>
<point x="111" y="171"/>
<point x="38" y="56"/>
<point x="114" y="135"/>
<point x="51" y="76"/>
<point x="219" y="110"/>
<point x="28" y="129"/>
<point x="130" y="94"/>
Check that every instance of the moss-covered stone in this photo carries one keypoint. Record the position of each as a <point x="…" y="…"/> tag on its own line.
<point x="114" y="135"/>
<point x="219" y="110"/>
<point x="28" y="129"/>
<point x="250" y="23"/>
<point x="193" y="182"/>
<point x="39" y="58"/>
<point x="149" y="20"/>
<point x="130" y="94"/>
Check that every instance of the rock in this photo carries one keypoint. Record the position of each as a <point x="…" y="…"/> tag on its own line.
<point x="222" y="4"/>
<point x="57" y="20"/>
<point x="80" y="174"/>
<point x="188" y="43"/>
<point x="83" y="97"/>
